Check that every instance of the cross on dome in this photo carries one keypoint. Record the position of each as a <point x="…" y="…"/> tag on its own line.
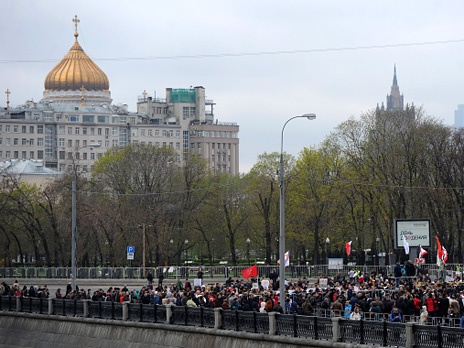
<point x="76" y="22"/>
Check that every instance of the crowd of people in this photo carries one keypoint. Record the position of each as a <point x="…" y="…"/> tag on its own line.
<point x="356" y="295"/>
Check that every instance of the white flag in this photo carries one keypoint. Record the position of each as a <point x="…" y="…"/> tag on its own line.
<point x="406" y="246"/>
<point x="287" y="259"/>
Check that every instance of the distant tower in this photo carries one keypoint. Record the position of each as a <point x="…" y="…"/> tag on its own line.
<point x="395" y="99"/>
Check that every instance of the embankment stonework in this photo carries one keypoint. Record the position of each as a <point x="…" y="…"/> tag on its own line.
<point x="43" y="331"/>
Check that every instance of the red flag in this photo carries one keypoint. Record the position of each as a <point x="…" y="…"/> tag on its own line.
<point x="439" y="251"/>
<point x="422" y="252"/>
<point x="444" y="255"/>
<point x="348" y="248"/>
<point x="250" y="272"/>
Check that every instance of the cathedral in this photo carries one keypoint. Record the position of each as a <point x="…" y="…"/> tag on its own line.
<point x="76" y="121"/>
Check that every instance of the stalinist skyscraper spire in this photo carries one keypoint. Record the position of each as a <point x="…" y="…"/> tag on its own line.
<point x="395" y="99"/>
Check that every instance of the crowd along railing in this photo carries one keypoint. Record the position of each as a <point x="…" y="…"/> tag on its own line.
<point x="333" y="329"/>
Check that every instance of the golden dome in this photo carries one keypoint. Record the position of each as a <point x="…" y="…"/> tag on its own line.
<point x="76" y="70"/>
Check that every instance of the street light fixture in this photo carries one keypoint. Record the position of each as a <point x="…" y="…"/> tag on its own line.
<point x="248" y="250"/>
<point x="74" y="218"/>
<point x="327" y="243"/>
<point x="171" y="253"/>
<point x="282" y="209"/>
<point x="186" y="251"/>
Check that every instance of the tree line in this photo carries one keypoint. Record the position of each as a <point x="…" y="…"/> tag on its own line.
<point x="369" y="171"/>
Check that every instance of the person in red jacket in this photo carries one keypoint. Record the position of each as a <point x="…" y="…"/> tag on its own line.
<point x="432" y="304"/>
<point x="417" y="304"/>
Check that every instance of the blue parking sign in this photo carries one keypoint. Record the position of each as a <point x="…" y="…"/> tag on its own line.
<point x="130" y="249"/>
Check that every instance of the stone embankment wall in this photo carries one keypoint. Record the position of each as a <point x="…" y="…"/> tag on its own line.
<point x="50" y="331"/>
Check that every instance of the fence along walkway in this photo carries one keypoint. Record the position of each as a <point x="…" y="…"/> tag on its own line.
<point x="333" y="329"/>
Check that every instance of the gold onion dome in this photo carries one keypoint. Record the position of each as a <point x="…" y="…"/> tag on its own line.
<point x="76" y="71"/>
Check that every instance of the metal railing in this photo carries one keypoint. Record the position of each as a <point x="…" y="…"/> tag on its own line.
<point x="334" y="329"/>
<point x="221" y="271"/>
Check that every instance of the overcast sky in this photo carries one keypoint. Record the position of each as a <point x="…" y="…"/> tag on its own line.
<point x="262" y="62"/>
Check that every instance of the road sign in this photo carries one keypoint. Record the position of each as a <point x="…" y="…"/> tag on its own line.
<point x="130" y="249"/>
<point x="130" y="256"/>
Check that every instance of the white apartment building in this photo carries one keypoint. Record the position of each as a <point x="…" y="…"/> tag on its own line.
<point x="76" y="122"/>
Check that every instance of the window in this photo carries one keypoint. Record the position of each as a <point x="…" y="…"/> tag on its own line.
<point x="70" y="156"/>
<point x="150" y="132"/>
<point x="23" y="155"/>
<point x="84" y="143"/>
<point x="77" y="130"/>
<point x="23" y="141"/>
<point x="88" y="119"/>
<point x="31" y="154"/>
<point x="15" y="129"/>
<point x="1" y="154"/>
<point x="40" y="129"/>
<point x="84" y="130"/>
<point x="69" y="142"/>
<point x="23" y="129"/>
<point x="103" y="119"/>
<point x="107" y="143"/>
<point x="7" y="143"/>
<point x="7" y="154"/>
<point x="92" y="155"/>
<point x="40" y="141"/>
<point x="177" y="133"/>
<point x="1" y="141"/>
<point x="31" y="142"/>
<point x="99" y="131"/>
<point x="7" y="128"/>
<point x="115" y="131"/>
<point x="177" y="146"/>
<point x="92" y="131"/>
<point x="73" y="118"/>
<point x="61" y="142"/>
<point x="157" y="132"/>
<point x="171" y="144"/>
<point x="15" y="141"/>
<point x="31" y="129"/>
<point x="62" y="155"/>
<point x="61" y="130"/>
<point x="40" y="154"/>
<point x="1" y="127"/>
<point x="84" y="156"/>
<point x="15" y="154"/>
<point x="185" y="112"/>
<point x="142" y="132"/>
<point x="69" y="130"/>
<point x="77" y="143"/>
<point x="115" y="142"/>
<point x="107" y="131"/>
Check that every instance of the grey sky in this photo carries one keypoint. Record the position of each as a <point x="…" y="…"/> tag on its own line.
<point x="259" y="92"/>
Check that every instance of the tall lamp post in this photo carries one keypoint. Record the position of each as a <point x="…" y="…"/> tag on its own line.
<point x="282" y="210"/>
<point x="248" y="250"/>
<point x="327" y="243"/>
<point x="186" y="251"/>
<point x="74" y="217"/>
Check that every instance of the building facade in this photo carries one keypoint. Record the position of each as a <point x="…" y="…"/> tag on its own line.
<point x="76" y="121"/>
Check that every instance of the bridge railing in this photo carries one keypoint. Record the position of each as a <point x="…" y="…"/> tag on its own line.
<point x="333" y="329"/>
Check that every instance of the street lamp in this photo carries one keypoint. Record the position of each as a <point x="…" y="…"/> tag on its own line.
<point x="74" y="218"/>
<point x="248" y="250"/>
<point x="377" y="242"/>
<point x="282" y="210"/>
<point x="186" y="251"/>
<point x="172" y="243"/>
<point x="327" y="243"/>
